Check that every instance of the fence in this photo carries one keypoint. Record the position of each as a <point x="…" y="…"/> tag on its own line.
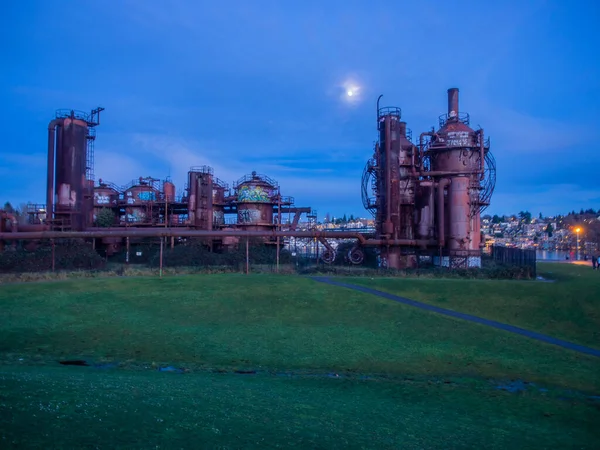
<point x="515" y="257"/>
<point x="154" y="256"/>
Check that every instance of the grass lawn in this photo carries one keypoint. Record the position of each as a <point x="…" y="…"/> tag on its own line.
<point x="568" y="308"/>
<point x="432" y="379"/>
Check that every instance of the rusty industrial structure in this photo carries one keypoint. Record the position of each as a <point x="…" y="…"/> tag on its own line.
<point x="426" y="197"/>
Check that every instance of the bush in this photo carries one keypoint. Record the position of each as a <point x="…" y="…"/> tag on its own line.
<point x="68" y="255"/>
<point x="195" y="253"/>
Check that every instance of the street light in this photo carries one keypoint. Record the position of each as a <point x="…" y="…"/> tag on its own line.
<point x="577" y="230"/>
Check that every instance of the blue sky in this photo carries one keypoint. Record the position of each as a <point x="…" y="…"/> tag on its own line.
<point x="259" y="85"/>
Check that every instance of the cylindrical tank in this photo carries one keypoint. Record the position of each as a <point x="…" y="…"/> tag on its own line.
<point x="460" y="217"/>
<point x="455" y="152"/>
<point x="70" y="180"/>
<point x="256" y="197"/>
<point x="169" y="191"/>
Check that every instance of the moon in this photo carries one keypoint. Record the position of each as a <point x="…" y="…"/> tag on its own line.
<point x="350" y="93"/>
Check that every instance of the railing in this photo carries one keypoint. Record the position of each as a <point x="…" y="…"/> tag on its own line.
<point x="220" y="183"/>
<point x="66" y="113"/>
<point x="389" y="111"/>
<point x="257" y="177"/>
<point x="287" y="200"/>
<point x="202" y="169"/>
<point x="462" y="118"/>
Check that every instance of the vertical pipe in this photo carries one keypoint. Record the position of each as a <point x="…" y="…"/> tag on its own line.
<point x="247" y="257"/>
<point x="172" y="242"/>
<point x="452" y="102"/>
<point x="277" y="267"/>
<point x="481" y="155"/>
<point x="50" y="185"/>
<point x="161" y="258"/>
<point x="127" y="251"/>
<point x="440" y="211"/>
<point x="388" y="177"/>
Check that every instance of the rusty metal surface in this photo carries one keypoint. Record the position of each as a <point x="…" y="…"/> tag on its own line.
<point x="169" y="191"/>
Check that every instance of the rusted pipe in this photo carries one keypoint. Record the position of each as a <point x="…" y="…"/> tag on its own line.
<point x="176" y="232"/>
<point x="50" y="186"/>
<point x="440" y="211"/>
<point x="447" y="173"/>
<point x="452" y="102"/>
<point x="395" y="242"/>
<point x="388" y="177"/>
<point x="481" y="155"/>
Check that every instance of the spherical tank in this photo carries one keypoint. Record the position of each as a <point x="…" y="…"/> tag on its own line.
<point x="255" y="202"/>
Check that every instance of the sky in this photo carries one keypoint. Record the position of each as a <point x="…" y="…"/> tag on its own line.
<point x="262" y="86"/>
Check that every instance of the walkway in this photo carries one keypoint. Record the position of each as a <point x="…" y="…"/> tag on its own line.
<point x="491" y="323"/>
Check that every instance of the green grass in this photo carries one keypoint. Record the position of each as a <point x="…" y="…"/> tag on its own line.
<point x="568" y="308"/>
<point x="432" y="380"/>
<point x="73" y="408"/>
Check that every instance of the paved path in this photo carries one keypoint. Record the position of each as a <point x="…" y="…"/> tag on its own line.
<point x="491" y="323"/>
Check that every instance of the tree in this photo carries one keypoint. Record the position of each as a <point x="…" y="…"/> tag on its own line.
<point x="351" y="217"/>
<point x="105" y="218"/>
<point x="549" y="230"/>
<point x="525" y="217"/>
<point x="541" y="217"/>
<point x="344" y="219"/>
<point x="496" y="219"/>
<point x="8" y="208"/>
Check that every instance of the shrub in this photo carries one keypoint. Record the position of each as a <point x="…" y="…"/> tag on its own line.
<point x="68" y="255"/>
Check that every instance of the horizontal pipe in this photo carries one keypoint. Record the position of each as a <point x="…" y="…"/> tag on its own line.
<point x="407" y="242"/>
<point x="176" y="232"/>
<point x="447" y="173"/>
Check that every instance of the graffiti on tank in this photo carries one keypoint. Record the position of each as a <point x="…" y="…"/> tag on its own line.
<point x="251" y="194"/>
<point x="458" y="138"/>
<point x="101" y="199"/>
<point x="146" y="196"/>
<point x="248" y="215"/>
<point x="218" y="218"/>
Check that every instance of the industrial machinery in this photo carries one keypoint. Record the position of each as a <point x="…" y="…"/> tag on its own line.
<point x="427" y="199"/>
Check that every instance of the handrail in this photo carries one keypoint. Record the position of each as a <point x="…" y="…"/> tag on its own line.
<point x="462" y="118"/>
<point x="66" y="114"/>
<point x="202" y="169"/>
<point x="389" y="111"/>
<point x="256" y="177"/>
